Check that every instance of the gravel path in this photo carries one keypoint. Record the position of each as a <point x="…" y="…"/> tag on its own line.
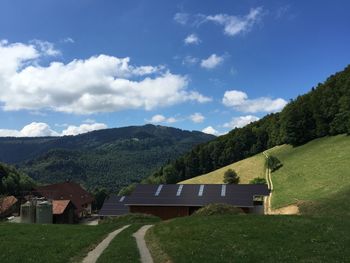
<point x="141" y="244"/>
<point x="94" y="254"/>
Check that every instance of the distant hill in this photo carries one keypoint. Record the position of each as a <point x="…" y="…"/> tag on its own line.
<point x="109" y="158"/>
<point x="324" y="111"/>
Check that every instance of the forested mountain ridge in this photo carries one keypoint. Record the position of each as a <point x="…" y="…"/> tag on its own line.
<point x="109" y="158"/>
<point x="325" y="110"/>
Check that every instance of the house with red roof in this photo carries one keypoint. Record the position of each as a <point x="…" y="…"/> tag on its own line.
<point x="64" y="192"/>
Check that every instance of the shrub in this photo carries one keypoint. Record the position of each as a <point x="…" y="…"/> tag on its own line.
<point x="218" y="209"/>
<point x="258" y="180"/>
<point x="131" y="218"/>
<point x="231" y="177"/>
<point x="273" y="163"/>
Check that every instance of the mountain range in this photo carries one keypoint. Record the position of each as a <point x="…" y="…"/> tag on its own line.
<point x="110" y="158"/>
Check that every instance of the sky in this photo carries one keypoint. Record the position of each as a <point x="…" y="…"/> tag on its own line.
<point x="69" y="67"/>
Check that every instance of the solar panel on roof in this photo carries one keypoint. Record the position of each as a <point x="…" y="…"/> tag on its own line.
<point x="179" y="190"/>
<point x="223" y="190"/>
<point x="201" y="189"/>
<point x="158" y="190"/>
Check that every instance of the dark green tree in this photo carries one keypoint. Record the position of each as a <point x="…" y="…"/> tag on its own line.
<point x="231" y="177"/>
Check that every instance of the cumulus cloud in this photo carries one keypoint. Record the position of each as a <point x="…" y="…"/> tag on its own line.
<point x="192" y="39"/>
<point x="239" y="101"/>
<point x="85" y="86"/>
<point x="41" y="129"/>
<point x="234" y="25"/>
<point x="34" y="129"/>
<point x="239" y="122"/>
<point x="158" y="118"/>
<point x="210" y="130"/>
<point x="197" y="117"/>
<point x="83" y="128"/>
<point x="212" y="61"/>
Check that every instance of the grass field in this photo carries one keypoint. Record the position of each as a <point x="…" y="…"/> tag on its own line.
<point x="246" y="169"/>
<point x="252" y="239"/>
<point x="314" y="174"/>
<point x="55" y="243"/>
<point x="123" y="247"/>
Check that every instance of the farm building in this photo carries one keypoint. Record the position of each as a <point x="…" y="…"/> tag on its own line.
<point x="8" y="206"/>
<point x="79" y="197"/>
<point x="114" y="206"/>
<point x="174" y="200"/>
<point x="63" y="211"/>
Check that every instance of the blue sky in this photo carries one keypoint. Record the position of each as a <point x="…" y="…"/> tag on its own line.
<point x="68" y="67"/>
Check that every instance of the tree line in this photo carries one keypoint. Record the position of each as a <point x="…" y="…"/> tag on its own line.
<point x="324" y="111"/>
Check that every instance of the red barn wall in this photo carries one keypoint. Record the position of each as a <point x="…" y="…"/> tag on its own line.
<point x="164" y="212"/>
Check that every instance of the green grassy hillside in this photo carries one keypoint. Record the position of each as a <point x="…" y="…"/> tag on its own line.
<point x="246" y="169"/>
<point x="313" y="174"/>
<point x="251" y="239"/>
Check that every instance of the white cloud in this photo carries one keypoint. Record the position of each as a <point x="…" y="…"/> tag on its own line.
<point x="210" y="130"/>
<point x="89" y="121"/>
<point x="161" y="118"/>
<point x="171" y="120"/>
<point x="234" y="25"/>
<point x="212" y="61"/>
<point x="239" y="122"/>
<point x="197" y="117"/>
<point x="239" y="101"/>
<point x="83" y="128"/>
<point x="45" y="48"/>
<point x="189" y="60"/>
<point x="192" y="39"/>
<point x="41" y="129"/>
<point x="34" y="129"/>
<point x="181" y="18"/>
<point x="68" y="40"/>
<point x="97" y="84"/>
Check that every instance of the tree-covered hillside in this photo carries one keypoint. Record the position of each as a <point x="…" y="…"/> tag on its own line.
<point x="109" y="158"/>
<point x="13" y="182"/>
<point x="325" y="110"/>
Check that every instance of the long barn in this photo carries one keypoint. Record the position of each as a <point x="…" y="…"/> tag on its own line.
<point x="174" y="200"/>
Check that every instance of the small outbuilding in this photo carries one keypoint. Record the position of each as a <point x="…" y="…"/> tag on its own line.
<point x="63" y="211"/>
<point x="8" y="206"/>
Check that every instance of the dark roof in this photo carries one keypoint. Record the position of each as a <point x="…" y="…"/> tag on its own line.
<point x="114" y="206"/>
<point x="66" y="191"/>
<point x="240" y="195"/>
